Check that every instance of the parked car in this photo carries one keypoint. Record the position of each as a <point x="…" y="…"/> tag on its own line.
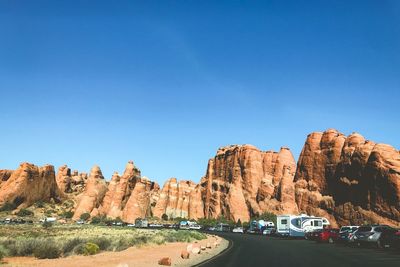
<point x="238" y="230"/>
<point x="390" y="238"/>
<point x="369" y="234"/>
<point x="269" y="231"/>
<point x="346" y="234"/>
<point x="328" y="236"/>
<point x="313" y="235"/>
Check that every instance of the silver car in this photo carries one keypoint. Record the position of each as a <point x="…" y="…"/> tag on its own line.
<point x="369" y="234"/>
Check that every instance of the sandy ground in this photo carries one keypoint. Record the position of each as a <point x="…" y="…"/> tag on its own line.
<point x="132" y="257"/>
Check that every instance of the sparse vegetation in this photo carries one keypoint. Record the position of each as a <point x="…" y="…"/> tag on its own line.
<point x="65" y="240"/>
<point x="85" y="216"/>
<point x="8" y="207"/>
<point x="91" y="249"/>
<point x="67" y="214"/>
<point x="164" y="217"/>
<point x="24" y="213"/>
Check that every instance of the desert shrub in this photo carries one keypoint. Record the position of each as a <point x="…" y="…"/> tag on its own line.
<point x="70" y="244"/>
<point x="91" y="249"/>
<point x="47" y="224"/>
<point x="85" y="216"/>
<point x="39" y="204"/>
<point x="8" y="206"/>
<point x="79" y="249"/>
<point x="3" y="252"/>
<point x="103" y="242"/>
<point x="122" y="244"/>
<point x="164" y="217"/>
<point x="24" y="213"/>
<point x="98" y="219"/>
<point x="67" y="214"/>
<point x="22" y="247"/>
<point x="47" y="249"/>
<point x="158" y="239"/>
<point x="139" y="240"/>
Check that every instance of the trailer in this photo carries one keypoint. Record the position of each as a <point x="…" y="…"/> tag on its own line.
<point x="299" y="225"/>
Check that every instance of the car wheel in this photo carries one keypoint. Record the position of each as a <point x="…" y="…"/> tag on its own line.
<point x="330" y="240"/>
<point x="379" y="244"/>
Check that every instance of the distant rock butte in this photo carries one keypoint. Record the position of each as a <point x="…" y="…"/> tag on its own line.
<point x="347" y="179"/>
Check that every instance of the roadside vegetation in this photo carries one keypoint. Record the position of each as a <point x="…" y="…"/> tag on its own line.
<point x="65" y="240"/>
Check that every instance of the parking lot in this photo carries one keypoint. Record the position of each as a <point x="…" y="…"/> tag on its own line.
<point x="258" y="250"/>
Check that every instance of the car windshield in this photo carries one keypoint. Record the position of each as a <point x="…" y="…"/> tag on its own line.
<point x="365" y="229"/>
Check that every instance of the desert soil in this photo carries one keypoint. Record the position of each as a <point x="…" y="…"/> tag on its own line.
<point x="145" y="256"/>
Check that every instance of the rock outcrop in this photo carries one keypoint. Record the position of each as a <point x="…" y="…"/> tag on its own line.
<point x="28" y="184"/>
<point x="70" y="183"/>
<point x="348" y="179"/>
<point x="119" y="191"/>
<point x="242" y="181"/>
<point x="91" y="198"/>
<point x="4" y="175"/>
<point x="176" y="200"/>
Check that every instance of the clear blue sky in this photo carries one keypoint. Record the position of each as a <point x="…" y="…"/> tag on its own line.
<point x="165" y="83"/>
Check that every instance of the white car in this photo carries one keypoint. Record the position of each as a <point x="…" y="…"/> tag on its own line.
<point x="238" y="230"/>
<point x="195" y="227"/>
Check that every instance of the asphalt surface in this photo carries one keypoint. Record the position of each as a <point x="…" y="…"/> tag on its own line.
<point x="256" y="250"/>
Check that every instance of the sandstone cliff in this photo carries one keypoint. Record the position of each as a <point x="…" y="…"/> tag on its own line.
<point x="69" y="182"/>
<point x="91" y="198"/>
<point x="179" y="199"/>
<point x="242" y="181"/>
<point x="348" y="179"/>
<point x="28" y="184"/>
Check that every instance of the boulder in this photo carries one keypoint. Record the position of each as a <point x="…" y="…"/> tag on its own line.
<point x="184" y="254"/>
<point x="165" y="261"/>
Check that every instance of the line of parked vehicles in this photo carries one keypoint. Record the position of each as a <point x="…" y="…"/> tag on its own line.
<point x="318" y="229"/>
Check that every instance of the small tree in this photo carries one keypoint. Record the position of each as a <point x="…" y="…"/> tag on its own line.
<point x="85" y="216"/>
<point x="239" y="223"/>
<point x="24" y="213"/>
<point x="67" y="214"/>
<point x="164" y="217"/>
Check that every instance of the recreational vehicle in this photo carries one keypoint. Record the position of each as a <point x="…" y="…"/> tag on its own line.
<point x="298" y="225"/>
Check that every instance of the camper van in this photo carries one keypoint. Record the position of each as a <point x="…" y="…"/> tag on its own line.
<point x="298" y="225"/>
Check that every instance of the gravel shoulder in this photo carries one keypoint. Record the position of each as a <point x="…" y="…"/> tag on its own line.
<point x="132" y="257"/>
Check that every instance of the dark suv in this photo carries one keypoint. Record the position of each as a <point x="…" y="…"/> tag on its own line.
<point x="370" y="234"/>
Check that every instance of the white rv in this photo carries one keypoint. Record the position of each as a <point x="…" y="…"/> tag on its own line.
<point x="298" y="225"/>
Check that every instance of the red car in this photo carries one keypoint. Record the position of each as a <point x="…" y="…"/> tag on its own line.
<point x="328" y="236"/>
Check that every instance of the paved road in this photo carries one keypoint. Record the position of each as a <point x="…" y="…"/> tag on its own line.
<point x="255" y="250"/>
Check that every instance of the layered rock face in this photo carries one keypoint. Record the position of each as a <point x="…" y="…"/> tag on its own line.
<point x="179" y="199"/>
<point x="91" y="198"/>
<point x="69" y="182"/>
<point x="348" y="179"/>
<point x="242" y="181"/>
<point x="119" y="191"/>
<point x="28" y="184"/>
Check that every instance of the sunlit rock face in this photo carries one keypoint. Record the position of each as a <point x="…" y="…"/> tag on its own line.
<point x="348" y="179"/>
<point x="242" y="181"/>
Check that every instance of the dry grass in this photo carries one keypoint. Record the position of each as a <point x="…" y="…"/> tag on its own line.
<point x="64" y="240"/>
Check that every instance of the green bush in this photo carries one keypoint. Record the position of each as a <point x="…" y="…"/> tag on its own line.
<point x="90" y="249"/>
<point x="98" y="219"/>
<point x="79" y="249"/>
<point x="39" y="204"/>
<point x="67" y="214"/>
<point x="71" y="244"/>
<point x="47" y="249"/>
<point x="3" y="252"/>
<point x="103" y="242"/>
<point x="47" y="224"/>
<point x="24" y="213"/>
<point x="164" y="217"/>
<point x="8" y="207"/>
<point x="85" y="216"/>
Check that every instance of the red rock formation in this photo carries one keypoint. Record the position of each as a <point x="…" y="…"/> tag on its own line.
<point x="91" y="198"/>
<point x="175" y="200"/>
<point x="4" y="175"/>
<point x="119" y="191"/>
<point x="348" y="179"/>
<point x="139" y="203"/>
<point x="242" y="181"/>
<point x="28" y="184"/>
<point x="70" y="183"/>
